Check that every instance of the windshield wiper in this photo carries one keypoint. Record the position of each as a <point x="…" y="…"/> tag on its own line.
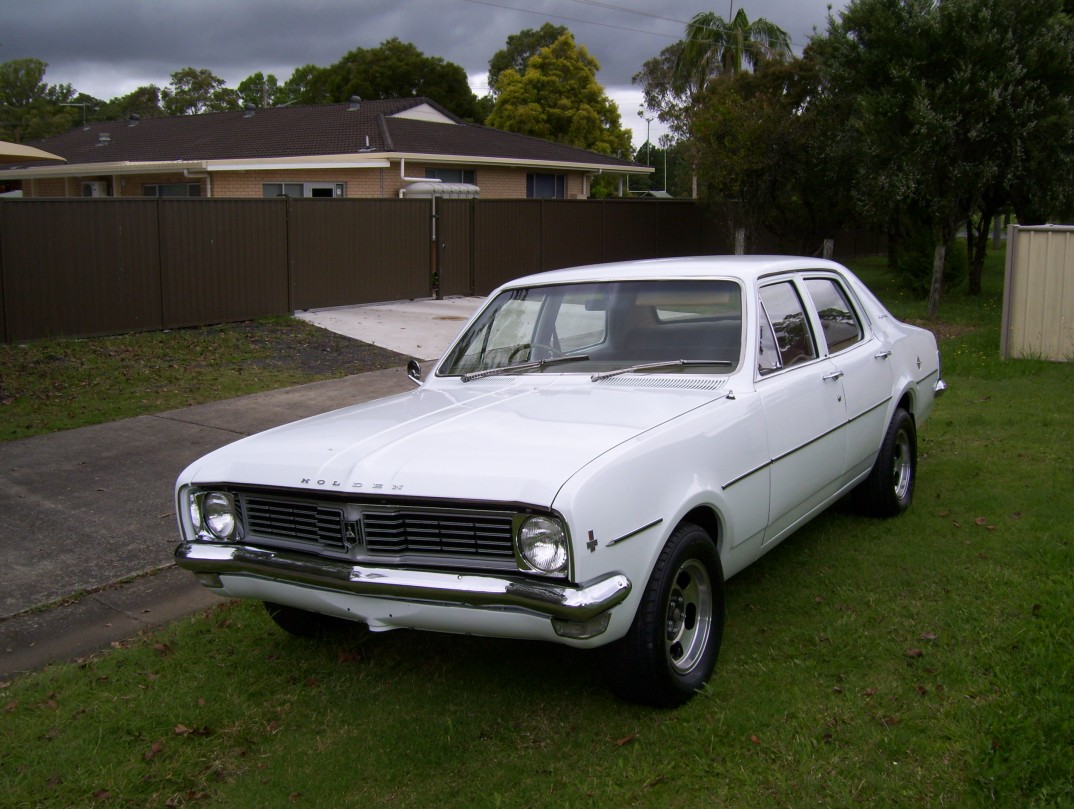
<point x="655" y="366"/>
<point x="521" y="367"/>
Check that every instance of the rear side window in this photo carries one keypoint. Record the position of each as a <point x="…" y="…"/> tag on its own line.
<point x="840" y="324"/>
<point x="789" y="329"/>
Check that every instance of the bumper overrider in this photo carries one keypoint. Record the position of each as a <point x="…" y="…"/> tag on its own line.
<point x="578" y="612"/>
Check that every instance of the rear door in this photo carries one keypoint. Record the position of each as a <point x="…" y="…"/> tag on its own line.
<point x="862" y="360"/>
<point x="805" y="416"/>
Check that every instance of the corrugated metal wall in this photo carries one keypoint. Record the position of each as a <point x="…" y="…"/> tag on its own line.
<point x="71" y="268"/>
<point x="222" y="260"/>
<point x="1038" y="294"/>
<point x="79" y="267"/>
<point x="350" y="251"/>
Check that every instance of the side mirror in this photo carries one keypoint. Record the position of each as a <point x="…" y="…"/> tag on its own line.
<point x="413" y="370"/>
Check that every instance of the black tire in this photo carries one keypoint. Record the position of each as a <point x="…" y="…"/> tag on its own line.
<point x="306" y="624"/>
<point x="889" y="489"/>
<point x="672" y="645"/>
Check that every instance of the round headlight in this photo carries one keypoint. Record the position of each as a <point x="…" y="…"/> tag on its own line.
<point x="218" y="513"/>
<point x="542" y="543"/>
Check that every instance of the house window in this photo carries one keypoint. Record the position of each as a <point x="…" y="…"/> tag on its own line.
<point x="326" y="190"/>
<point x="451" y="175"/>
<point x="546" y="186"/>
<point x="171" y="190"/>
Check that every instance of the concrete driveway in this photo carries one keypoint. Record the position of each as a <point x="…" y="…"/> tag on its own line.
<point x="421" y="329"/>
<point x="87" y="516"/>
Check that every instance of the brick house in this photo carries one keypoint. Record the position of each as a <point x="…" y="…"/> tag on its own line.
<point x="363" y="149"/>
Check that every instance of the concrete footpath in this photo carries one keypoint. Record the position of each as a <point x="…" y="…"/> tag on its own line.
<point x="87" y="516"/>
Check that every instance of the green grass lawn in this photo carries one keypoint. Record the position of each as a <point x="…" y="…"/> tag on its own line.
<point x="922" y="661"/>
<point x="59" y="384"/>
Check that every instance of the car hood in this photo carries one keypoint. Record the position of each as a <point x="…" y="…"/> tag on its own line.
<point x="498" y="440"/>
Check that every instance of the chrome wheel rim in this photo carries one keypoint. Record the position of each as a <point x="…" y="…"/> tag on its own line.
<point x="689" y="617"/>
<point x="902" y="472"/>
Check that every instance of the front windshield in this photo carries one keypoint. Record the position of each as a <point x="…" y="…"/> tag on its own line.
<point x="598" y="327"/>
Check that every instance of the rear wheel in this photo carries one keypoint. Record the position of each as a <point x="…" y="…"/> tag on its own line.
<point x="889" y="489"/>
<point x="306" y="624"/>
<point x="671" y="647"/>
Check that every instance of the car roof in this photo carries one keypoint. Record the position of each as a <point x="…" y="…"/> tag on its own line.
<point x="748" y="268"/>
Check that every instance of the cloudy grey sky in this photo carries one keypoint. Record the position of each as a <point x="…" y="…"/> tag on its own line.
<point x="106" y="48"/>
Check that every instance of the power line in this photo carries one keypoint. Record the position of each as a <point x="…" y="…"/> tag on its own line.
<point x="626" y="10"/>
<point x="571" y="19"/>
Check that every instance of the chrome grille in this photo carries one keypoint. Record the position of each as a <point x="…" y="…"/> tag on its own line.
<point x="294" y="521"/>
<point x="438" y="533"/>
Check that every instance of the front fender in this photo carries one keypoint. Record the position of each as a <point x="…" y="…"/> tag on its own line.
<point x="623" y="506"/>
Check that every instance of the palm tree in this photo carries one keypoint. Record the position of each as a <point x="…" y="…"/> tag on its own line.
<point x="713" y="47"/>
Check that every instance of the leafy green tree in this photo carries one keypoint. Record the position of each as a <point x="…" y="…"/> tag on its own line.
<point x="143" y="101"/>
<point x="193" y="91"/>
<point x="519" y="49"/>
<point x="30" y="108"/>
<point x="394" y="69"/>
<point x="946" y="104"/>
<point x="754" y="139"/>
<point x="558" y="98"/>
<point x="306" y="86"/>
<point x="712" y="48"/>
<point x="260" y="91"/>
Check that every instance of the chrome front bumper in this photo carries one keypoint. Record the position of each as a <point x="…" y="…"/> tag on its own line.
<point x="558" y="601"/>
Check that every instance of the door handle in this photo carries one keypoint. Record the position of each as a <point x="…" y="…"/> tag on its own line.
<point x="882" y="355"/>
<point x="832" y="376"/>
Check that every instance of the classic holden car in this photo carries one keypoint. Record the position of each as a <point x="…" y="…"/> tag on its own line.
<point x="596" y="454"/>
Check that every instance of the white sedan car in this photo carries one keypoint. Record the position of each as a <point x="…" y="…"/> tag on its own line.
<point x="598" y="451"/>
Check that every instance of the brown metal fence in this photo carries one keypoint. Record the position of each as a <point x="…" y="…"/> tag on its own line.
<point x="76" y="267"/>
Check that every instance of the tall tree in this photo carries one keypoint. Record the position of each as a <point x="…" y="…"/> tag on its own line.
<point x="946" y="102"/>
<point x="558" y="98"/>
<point x="30" y="108"/>
<point x="306" y="86"/>
<point x="196" y="90"/>
<point x="519" y="49"/>
<point x="394" y="69"/>
<point x="754" y="137"/>
<point x="715" y="47"/>
<point x="143" y="101"/>
<point x="260" y="91"/>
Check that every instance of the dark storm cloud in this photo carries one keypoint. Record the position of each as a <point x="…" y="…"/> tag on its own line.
<point x="107" y="48"/>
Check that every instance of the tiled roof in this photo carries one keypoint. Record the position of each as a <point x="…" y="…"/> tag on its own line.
<point x="305" y="131"/>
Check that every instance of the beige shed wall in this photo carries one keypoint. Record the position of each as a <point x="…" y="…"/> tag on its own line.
<point x="1038" y="293"/>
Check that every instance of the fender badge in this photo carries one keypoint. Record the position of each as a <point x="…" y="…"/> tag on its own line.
<point x="592" y="543"/>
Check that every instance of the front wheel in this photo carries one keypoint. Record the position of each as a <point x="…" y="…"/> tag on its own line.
<point x="888" y="490"/>
<point x="671" y="647"/>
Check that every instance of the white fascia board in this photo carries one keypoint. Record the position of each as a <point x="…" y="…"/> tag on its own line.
<point x="515" y="163"/>
<point x="303" y="163"/>
<point x="178" y="166"/>
<point x="101" y="169"/>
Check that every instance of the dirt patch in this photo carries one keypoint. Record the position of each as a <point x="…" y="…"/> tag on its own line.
<point x="943" y="331"/>
<point x="299" y="346"/>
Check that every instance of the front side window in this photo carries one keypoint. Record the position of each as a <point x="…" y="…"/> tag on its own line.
<point x="785" y="315"/>
<point x="546" y="186"/>
<point x="840" y="325"/>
